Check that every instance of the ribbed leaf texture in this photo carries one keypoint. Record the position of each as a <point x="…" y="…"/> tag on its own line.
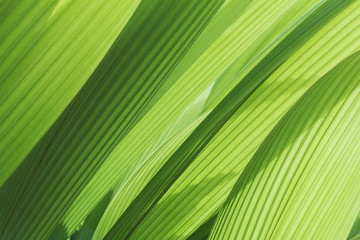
<point x="179" y="119"/>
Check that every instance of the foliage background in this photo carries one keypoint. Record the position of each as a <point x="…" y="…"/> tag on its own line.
<point x="179" y="119"/>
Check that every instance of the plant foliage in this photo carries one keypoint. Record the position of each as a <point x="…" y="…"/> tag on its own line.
<point x="179" y="119"/>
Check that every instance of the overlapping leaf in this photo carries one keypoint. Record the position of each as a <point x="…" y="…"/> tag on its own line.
<point x="48" y="50"/>
<point x="134" y="119"/>
<point x="105" y="109"/>
<point x="185" y="206"/>
<point x="297" y="188"/>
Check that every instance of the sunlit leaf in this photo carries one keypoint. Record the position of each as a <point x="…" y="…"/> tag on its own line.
<point x="178" y="119"/>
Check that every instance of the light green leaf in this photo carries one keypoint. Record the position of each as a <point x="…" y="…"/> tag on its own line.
<point x="134" y="184"/>
<point x="203" y="187"/>
<point x="223" y="54"/>
<point x="48" y="50"/>
<point x="146" y="200"/>
<point x="302" y="182"/>
<point x="101" y="114"/>
<point x="134" y="119"/>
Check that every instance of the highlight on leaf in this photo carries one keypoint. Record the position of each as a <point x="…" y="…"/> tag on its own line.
<point x="178" y="119"/>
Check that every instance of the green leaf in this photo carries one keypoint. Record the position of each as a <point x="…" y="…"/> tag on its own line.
<point x="134" y="119"/>
<point x="302" y="182"/>
<point x="356" y="237"/>
<point x="204" y="186"/>
<point x="152" y="162"/>
<point x="221" y="55"/>
<point x="204" y="230"/>
<point x="146" y="200"/>
<point x="355" y="229"/>
<point x="48" y="50"/>
<point x="149" y="173"/>
<point x="102" y="113"/>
